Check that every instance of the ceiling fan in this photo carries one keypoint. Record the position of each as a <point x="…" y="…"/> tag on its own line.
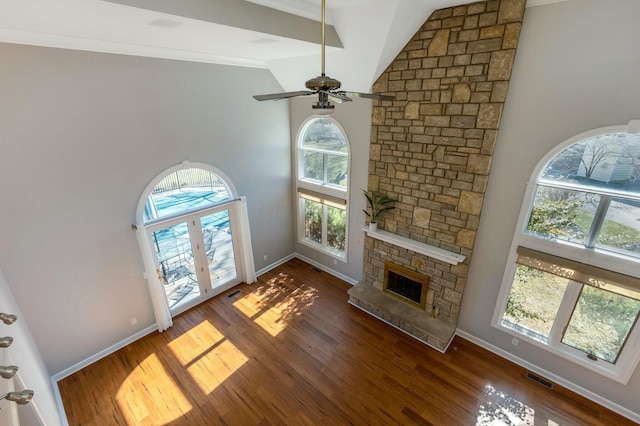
<point x="325" y="87"/>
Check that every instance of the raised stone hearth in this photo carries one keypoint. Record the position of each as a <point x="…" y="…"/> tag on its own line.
<point x="435" y="332"/>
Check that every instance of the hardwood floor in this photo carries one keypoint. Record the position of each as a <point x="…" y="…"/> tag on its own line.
<point x="290" y="350"/>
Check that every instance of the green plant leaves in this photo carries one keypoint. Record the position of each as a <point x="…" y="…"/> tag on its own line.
<point x="377" y="205"/>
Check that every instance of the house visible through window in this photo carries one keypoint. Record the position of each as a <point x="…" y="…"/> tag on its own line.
<point x="322" y="181"/>
<point x="573" y="282"/>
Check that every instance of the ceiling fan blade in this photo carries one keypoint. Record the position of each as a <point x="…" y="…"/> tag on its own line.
<point x="338" y="97"/>
<point x="370" y="96"/>
<point x="284" y="95"/>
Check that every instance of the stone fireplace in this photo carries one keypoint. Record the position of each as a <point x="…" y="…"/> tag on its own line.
<point x="431" y="150"/>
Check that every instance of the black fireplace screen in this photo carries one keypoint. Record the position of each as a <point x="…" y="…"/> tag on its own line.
<point x="405" y="284"/>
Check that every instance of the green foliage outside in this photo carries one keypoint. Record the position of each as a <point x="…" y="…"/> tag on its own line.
<point x="322" y="133"/>
<point x="336" y="225"/>
<point x="556" y="218"/>
<point x="601" y="322"/>
<point x="601" y="319"/>
<point x="336" y="228"/>
<point x="336" y="168"/>
<point x="564" y="215"/>
<point x="614" y="234"/>
<point x="313" y="221"/>
<point x="617" y="235"/>
<point x="534" y="299"/>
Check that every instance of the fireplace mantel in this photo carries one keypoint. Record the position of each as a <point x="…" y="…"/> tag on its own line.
<point x="418" y="247"/>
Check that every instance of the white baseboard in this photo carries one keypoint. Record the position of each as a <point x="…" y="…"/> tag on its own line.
<point x="327" y="269"/>
<point x="552" y="377"/>
<point x="275" y="264"/>
<point x="103" y="353"/>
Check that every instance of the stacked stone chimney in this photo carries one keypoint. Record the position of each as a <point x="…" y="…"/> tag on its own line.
<point x="431" y="147"/>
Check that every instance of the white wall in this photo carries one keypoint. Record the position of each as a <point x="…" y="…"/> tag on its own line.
<point x="81" y="136"/>
<point x="576" y="69"/>
<point x="355" y="119"/>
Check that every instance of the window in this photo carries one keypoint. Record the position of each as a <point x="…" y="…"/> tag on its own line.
<point x="573" y="283"/>
<point x="322" y="181"/>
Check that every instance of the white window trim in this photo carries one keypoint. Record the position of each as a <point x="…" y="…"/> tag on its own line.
<point x="321" y="188"/>
<point x="629" y="357"/>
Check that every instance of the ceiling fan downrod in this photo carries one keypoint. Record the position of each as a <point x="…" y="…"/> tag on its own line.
<point x="322" y="43"/>
<point x="325" y="87"/>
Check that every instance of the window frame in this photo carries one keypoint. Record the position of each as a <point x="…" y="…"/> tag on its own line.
<point x="326" y="193"/>
<point x="629" y="355"/>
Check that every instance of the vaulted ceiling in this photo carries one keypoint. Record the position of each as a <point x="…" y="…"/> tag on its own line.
<point x="363" y="36"/>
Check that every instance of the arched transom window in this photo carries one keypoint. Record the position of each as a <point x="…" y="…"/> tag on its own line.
<point x="185" y="190"/>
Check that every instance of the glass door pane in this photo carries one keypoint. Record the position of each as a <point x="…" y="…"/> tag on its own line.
<point x="218" y="247"/>
<point x="176" y="263"/>
<point x="195" y="256"/>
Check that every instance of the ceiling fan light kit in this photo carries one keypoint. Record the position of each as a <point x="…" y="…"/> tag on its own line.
<point x="325" y="87"/>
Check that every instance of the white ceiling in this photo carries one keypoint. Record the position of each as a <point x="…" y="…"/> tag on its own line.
<point x="368" y="33"/>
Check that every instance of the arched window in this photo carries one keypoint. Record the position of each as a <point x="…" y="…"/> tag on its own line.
<point x="572" y="284"/>
<point x="322" y="183"/>
<point x="183" y="190"/>
<point x="194" y="236"/>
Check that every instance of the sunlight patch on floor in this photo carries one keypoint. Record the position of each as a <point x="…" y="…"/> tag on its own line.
<point x="216" y="366"/>
<point x="503" y="410"/>
<point x="195" y="342"/>
<point x="276" y="319"/>
<point x="276" y="304"/>
<point x="271" y="321"/>
<point x="255" y="302"/>
<point x="154" y="400"/>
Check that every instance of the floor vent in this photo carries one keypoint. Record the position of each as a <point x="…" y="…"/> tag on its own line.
<point x="547" y="384"/>
<point x="234" y="293"/>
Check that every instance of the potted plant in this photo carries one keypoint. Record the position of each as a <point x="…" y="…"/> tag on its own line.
<point x="377" y="205"/>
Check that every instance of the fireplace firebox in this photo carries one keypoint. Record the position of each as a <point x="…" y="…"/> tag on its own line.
<point x="405" y="284"/>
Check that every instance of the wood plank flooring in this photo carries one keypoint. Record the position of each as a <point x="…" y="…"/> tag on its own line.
<point x="290" y="350"/>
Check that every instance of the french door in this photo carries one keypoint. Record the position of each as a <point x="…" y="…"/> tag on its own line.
<point x="195" y="255"/>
